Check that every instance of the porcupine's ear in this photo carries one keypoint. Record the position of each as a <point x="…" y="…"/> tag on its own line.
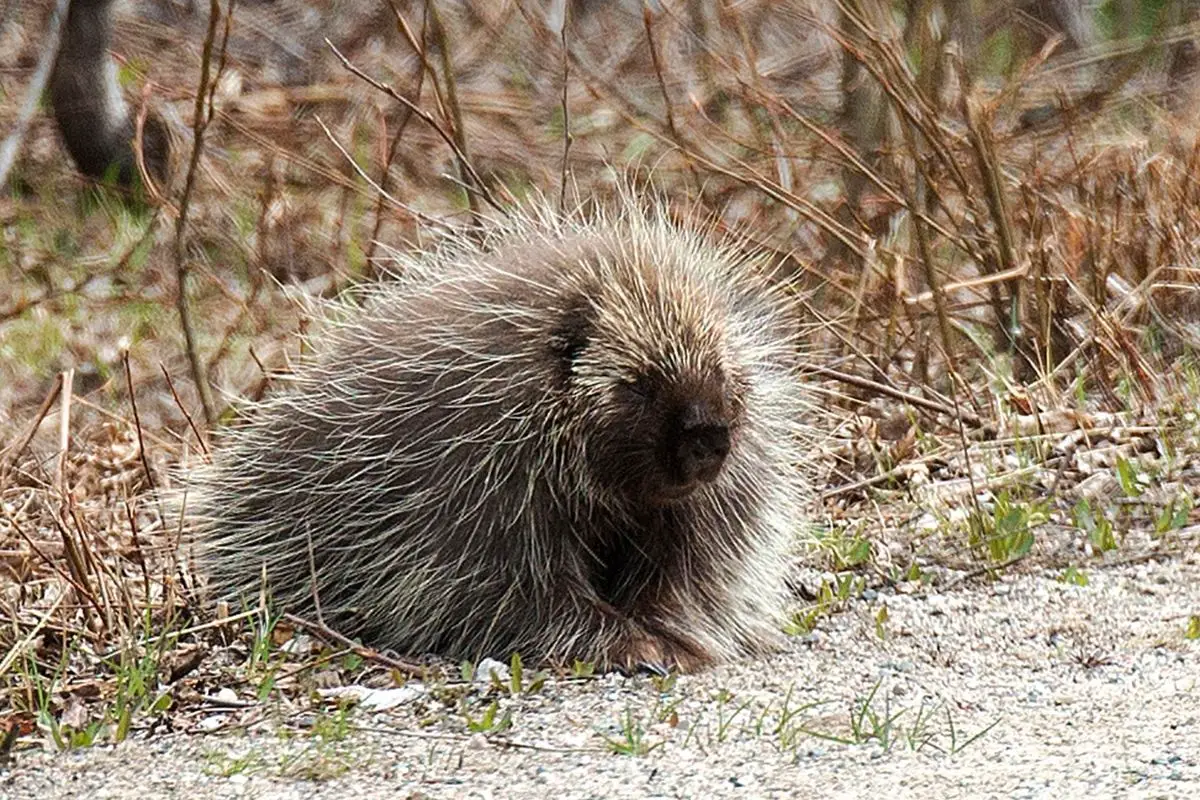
<point x="571" y="334"/>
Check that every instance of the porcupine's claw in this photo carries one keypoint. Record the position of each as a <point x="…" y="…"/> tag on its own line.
<point x="642" y="668"/>
<point x="652" y="668"/>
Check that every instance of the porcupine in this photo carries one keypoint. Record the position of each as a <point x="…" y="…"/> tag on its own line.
<point x="96" y="123"/>
<point x="579" y="439"/>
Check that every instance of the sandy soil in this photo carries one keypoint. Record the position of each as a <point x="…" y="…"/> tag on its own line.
<point x="1088" y="691"/>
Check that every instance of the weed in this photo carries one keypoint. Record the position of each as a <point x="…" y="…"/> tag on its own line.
<point x="832" y="595"/>
<point x="664" y="683"/>
<point x="912" y="573"/>
<point x="263" y="664"/>
<point x="517" y="684"/>
<point x="726" y="718"/>
<point x="315" y="763"/>
<point x="866" y="723"/>
<point x="223" y="765"/>
<point x="666" y="711"/>
<point x="790" y="729"/>
<point x="1073" y="576"/>
<point x="66" y="737"/>
<point x="1175" y="514"/>
<point x="516" y="672"/>
<point x="1007" y="531"/>
<point x="491" y="721"/>
<point x="1132" y="480"/>
<point x="136" y="691"/>
<point x="957" y="744"/>
<point x="1096" y="524"/>
<point x="632" y="740"/>
<point x="332" y="726"/>
<point x="846" y="549"/>
<point x="919" y="734"/>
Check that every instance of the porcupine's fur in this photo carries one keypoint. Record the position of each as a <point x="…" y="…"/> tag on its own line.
<point x="96" y="123"/>
<point x="519" y="446"/>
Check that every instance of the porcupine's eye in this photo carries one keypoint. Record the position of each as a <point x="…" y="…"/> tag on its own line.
<point x="640" y="386"/>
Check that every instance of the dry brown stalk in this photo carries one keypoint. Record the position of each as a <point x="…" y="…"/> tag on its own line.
<point x="1008" y="320"/>
<point x="428" y="119"/>
<point x="385" y="170"/>
<point x="668" y="106"/>
<point x="137" y="420"/>
<point x="10" y="455"/>
<point x="458" y="130"/>
<point x="912" y="399"/>
<point x="410" y="668"/>
<point x="183" y="409"/>
<point x="202" y="116"/>
<point x="67" y="382"/>
<point x="566" y="110"/>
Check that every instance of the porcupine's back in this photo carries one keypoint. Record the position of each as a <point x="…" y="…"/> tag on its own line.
<point x="460" y="446"/>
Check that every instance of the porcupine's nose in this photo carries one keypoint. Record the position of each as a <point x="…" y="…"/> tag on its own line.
<point x="703" y="444"/>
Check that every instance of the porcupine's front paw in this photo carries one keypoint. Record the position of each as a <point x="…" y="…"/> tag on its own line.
<point x="643" y="650"/>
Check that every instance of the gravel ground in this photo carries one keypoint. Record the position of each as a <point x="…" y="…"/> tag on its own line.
<point x="1089" y="691"/>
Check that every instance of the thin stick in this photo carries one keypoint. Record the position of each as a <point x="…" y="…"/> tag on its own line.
<point x="137" y="420"/>
<point x="408" y="667"/>
<point x="883" y="389"/>
<point x="648" y="24"/>
<point x="202" y="116"/>
<point x="179" y="403"/>
<point x="33" y="92"/>
<point x="68" y="551"/>
<point x="137" y="547"/>
<point x="19" y="647"/>
<point x="10" y="456"/>
<point x="139" y="153"/>
<point x="428" y="119"/>
<point x="925" y="253"/>
<point x="312" y="571"/>
<point x="88" y="404"/>
<point x="64" y="428"/>
<point x="385" y="173"/>
<point x="984" y="570"/>
<point x="566" y="111"/>
<point x="460" y="133"/>
<point x="362" y="173"/>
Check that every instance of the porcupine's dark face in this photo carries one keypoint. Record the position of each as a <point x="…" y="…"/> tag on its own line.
<point x="663" y="410"/>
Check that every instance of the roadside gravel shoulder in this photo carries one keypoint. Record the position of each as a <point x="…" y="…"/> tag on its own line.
<point x="1076" y="691"/>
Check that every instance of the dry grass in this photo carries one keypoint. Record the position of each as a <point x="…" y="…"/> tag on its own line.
<point x="996" y="247"/>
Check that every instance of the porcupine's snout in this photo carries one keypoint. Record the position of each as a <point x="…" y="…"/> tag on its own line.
<point x="700" y="444"/>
